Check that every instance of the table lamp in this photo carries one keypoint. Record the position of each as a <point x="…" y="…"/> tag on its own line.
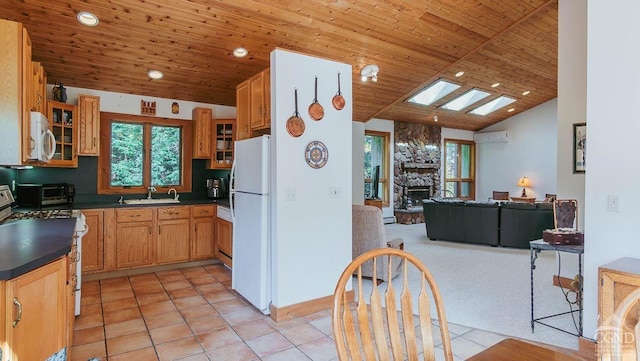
<point x="524" y="182"/>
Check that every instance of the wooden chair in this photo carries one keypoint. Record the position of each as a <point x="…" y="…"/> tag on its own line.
<point x="500" y="196"/>
<point x="374" y="332"/>
<point x="565" y="213"/>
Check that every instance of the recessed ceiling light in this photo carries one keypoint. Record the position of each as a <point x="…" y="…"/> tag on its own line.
<point x="495" y="85"/>
<point x="511" y="109"/>
<point x="155" y="74"/>
<point x="460" y="73"/>
<point x="87" y="18"/>
<point x="240" y="52"/>
<point x="526" y="92"/>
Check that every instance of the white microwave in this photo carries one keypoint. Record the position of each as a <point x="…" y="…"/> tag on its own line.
<point x="43" y="141"/>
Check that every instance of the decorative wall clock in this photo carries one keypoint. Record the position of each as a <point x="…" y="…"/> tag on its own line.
<point x="316" y="154"/>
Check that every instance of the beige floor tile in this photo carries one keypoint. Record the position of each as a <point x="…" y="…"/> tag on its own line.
<point x="234" y="352"/>
<point x="484" y="338"/>
<point x="323" y="349"/>
<point x="183" y="293"/>
<point x="292" y="354"/>
<point x="88" y="335"/>
<point x="230" y="306"/>
<point x="206" y="324"/>
<point x="82" y="322"/>
<point x="242" y="315"/>
<point x="205" y="310"/>
<point x="219" y="296"/>
<point x="198" y="357"/>
<point x="317" y="315"/>
<point x="157" y="308"/>
<point x="120" y="304"/>
<point x="170" y="276"/>
<point x="194" y="272"/>
<point x="163" y="319"/>
<point x="122" y="315"/>
<point x="211" y="287"/>
<point x="126" y="343"/>
<point x="324" y="325"/>
<point x="269" y="344"/>
<point x="87" y="351"/>
<point x="143" y="278"/>
<point x="125" y="328"/>
<point x="147" y="299"/>
<point x="90" y="299"/>
<point x="116" y="295"/>
<point x="170" y="333"/>
<point x="283" y="325"/>
<point x="177" y="285"/>
<point x="218" y="338"/>
<point x="464" y="348"/>
<point x="114" y="282"/>
<point x="189" y="302"/>
<point x="302" y="334"/>
<point x="253" y="329"/>
<point x="147" y="289"/>
<point x="92" y="309"/>
<point x="143" y="354"/>
<point x="203" y="280"/>
<point x="175" y="350"/>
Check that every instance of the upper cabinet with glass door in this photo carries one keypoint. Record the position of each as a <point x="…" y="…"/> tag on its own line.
<point x="63" y="125"/>
<point x="222" y="155"/>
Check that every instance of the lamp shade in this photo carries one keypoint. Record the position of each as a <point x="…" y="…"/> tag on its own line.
<point x="524" y="182"/>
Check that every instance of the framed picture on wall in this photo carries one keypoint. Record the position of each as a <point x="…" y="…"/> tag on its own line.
<point x="579" y="147"/>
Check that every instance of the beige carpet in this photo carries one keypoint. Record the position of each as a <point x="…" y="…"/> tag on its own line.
<point x="488" y="287"/>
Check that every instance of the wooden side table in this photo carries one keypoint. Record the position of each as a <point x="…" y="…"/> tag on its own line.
<point x="524" y="199"/>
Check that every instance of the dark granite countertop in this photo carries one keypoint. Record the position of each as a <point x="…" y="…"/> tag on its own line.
<point x="31" y="243"/>
<point x="95" y="205"/>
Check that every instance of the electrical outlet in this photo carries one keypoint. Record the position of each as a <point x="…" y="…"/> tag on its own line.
<point x="290" y="194"/>
<point x="613" y="203"/>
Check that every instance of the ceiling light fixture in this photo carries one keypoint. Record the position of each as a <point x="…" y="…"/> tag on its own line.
<point x="495" y="85"/>
<point x="370" y="71"/>
<point x="155" y="74"/>
<point x="511" y="109"/>
<point x="435" y="118"/>
<point x="240" y="52"/>
<point x="87" y="18"/>
<point x="526" y="92"/>
<point x="459" y="74"/>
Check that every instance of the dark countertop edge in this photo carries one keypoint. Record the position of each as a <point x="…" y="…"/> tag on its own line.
<point x="95" y="205"/>
<point x="36" y="263"/>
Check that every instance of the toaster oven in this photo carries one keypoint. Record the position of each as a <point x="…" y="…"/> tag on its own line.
<point x="38" y="195"/>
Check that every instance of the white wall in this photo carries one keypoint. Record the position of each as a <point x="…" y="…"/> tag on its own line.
<point x="613" y="119"/>
<point x="382" y="125"/>
<point x="130" y="103"/>
<point x="572" y="96"/>
<point x="311" y="235"/>
<point x="530" y="152"/>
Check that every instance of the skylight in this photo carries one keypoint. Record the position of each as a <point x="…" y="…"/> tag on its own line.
<point x="466" y="99"/>
<point x="493" y="105"/>
<point x="434" y="92"/>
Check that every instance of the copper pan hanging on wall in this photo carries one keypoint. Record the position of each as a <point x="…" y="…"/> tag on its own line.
<point x="295" y="124"/>
<point x="316" y="111"/>
<point x="338" y="100"/>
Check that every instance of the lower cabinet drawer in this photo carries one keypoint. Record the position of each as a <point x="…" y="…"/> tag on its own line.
<point x="134" y="215"/>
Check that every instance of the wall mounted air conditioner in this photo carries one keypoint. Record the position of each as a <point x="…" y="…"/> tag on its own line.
<point x="491" y="137"/>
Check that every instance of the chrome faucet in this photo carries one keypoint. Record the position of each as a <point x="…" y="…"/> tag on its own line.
<point x="151" y="190"/>
<point x="175" y="193"/>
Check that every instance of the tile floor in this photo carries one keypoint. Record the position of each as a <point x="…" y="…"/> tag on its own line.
<point x="191" y="314"/>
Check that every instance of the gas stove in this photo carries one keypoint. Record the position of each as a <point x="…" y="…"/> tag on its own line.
<point x="41" y="214"/>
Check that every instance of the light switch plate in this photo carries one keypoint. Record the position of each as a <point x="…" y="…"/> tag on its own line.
<point x="613" y="203"/>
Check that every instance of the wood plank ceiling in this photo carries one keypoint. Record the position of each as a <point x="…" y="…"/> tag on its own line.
<point x="513" y="42"/>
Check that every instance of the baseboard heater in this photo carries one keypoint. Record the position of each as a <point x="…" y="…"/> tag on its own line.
<point x="389" y="220"/>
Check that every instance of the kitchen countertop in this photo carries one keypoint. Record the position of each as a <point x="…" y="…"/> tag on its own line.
<point x="95" y="205"/>
<point x="31" y="243"/>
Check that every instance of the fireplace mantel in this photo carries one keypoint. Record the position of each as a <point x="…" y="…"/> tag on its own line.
<point x="413" y="165"/>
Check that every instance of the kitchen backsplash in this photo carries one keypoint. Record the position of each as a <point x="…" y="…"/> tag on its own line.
<point x="84" y="178"/>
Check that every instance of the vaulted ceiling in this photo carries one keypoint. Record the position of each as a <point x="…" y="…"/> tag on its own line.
<point x="511" y="42"/>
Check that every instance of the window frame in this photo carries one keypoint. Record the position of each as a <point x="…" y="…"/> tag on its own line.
<point x="384" y="170"/>
<point x="472" y="172"/>
<point x="104" y="159"/>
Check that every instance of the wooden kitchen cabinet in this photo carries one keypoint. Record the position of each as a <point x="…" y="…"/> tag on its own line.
<point x="92" y="252"/>
<point x="224" y="239"/>
<point x="174" y="225"/>
<point x="202" y="132"/>
<point x="134" y="237"/>
<point x="43" y="299"/>
<point x="243" y="113"/>
<point x="63" y="125"/>
<point x="89" y="118"/>
<point x="39" y="90"/>
<point x="16" y="78"/>
<point x="261" y="100"/>
<point x="222" y="154"/>
<point x="203" y="236"/>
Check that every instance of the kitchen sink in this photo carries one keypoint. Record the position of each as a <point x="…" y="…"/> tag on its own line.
<point x="151" y="201"/>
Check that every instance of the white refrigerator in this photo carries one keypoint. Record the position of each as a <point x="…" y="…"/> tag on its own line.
<point x="251" y="271"/>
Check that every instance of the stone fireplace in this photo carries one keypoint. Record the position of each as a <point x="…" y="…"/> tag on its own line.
<point x="416" y="163"/>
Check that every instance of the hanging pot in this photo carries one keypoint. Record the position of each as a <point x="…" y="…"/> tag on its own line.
<point x="338" y="100"/>
<point x="316" y="112"/>
<point x="295" y="124"/>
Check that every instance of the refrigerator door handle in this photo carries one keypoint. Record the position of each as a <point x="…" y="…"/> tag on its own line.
<point x="232" y="190"/>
